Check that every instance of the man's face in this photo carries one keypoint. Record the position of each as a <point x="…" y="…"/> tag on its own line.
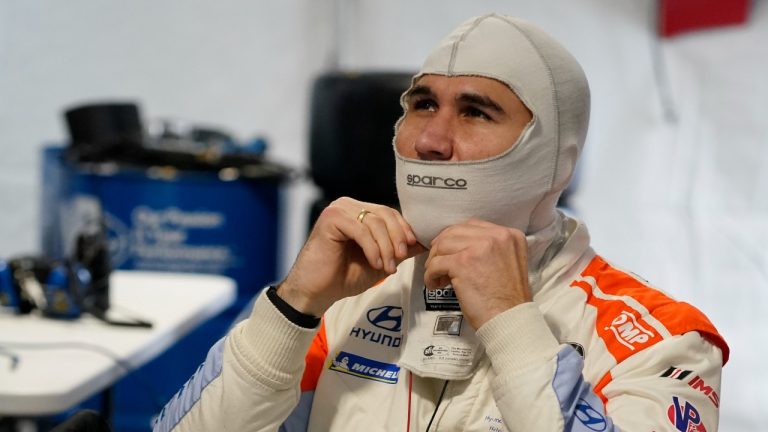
<point x="460" y="118"/>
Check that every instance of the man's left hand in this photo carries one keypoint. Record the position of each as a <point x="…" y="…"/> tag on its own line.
<point x="486" y="264"/>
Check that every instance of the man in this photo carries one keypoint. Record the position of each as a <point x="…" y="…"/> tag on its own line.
<point x="481" y="307"/>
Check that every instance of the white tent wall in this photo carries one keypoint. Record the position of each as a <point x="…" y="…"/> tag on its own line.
<point x="675" y="192"/>
<point x="244" y="66"/>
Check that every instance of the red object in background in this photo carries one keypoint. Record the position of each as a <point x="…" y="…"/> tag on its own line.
<point x="678" y="16"/>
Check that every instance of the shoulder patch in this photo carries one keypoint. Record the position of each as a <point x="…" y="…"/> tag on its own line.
<point x="632" y="316"/>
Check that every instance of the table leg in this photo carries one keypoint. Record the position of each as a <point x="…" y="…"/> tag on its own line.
<point x="107" y="405"/>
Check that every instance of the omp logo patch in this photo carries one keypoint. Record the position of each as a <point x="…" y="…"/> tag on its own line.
<point x="435" y="182"/>
<point x="628" y="331"/>
<point x="366" y="368"/>
<point x="441" y="299"/>
<point x="684" y="416"/>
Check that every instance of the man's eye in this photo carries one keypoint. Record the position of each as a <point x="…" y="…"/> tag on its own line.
<point x="475" y="112"/>
<point x="425" y="104"/>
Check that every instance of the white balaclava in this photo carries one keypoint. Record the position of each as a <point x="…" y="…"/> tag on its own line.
<point x="518" y="188"/>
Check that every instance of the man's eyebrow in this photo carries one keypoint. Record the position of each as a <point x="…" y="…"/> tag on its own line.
<point x="483" y="101"/>
<point x="420" y="90"/>
<point x="468" y="98"/>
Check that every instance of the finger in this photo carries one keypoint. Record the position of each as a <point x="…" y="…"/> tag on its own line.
<point x="455" y="239"/>
<point x="352" y="230"/>
<point x="410" y="236"/>
<point x="435" y="254"/>
<point x="456" y="230"/>
<point x="480" y="223"/>
<point x="397" y="229"/>
<point x="377" y="226"/>
<point x="437" y="272"/>
<point x="400" y="231"/>
<point x="505" y="235"/>
<point x="397" y="244"/>
<point x="357" y="215"/>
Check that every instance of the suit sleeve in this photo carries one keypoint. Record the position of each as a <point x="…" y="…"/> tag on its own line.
<point x="250" y="380"/>
<point x="539" y="383"/>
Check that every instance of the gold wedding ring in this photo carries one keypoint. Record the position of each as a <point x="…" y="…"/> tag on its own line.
<point x="361" y="215"/>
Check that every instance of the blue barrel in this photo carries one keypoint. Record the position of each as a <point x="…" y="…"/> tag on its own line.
<point x="167" y="220"/>
<point x="162" y="219"/>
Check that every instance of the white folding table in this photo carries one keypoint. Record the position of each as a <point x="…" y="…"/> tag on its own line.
<point x="48" y="365"/>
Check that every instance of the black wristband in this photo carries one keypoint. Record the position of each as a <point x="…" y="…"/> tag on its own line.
<point x="299" y="318"/>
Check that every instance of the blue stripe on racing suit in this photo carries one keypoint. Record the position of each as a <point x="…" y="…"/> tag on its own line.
<point x="298" y="420"/>
<point x="190" y="393"/>
<point x="582" y="410"/>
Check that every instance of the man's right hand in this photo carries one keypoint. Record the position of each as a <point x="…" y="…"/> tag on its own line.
<point x="346" y="254"/>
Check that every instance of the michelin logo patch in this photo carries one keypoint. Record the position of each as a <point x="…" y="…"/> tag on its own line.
<point x="365" y="368"/>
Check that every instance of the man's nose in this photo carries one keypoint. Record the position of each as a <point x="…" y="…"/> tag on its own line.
<point x="436" y="139"/>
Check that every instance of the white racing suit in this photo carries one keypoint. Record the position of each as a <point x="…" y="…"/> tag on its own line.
<point x="597" y="350"/>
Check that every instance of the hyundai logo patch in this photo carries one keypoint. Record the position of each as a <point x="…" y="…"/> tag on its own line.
<point x="589" y="417"/>
<point x="362" y="367"/>
<point x="386" y="317"/>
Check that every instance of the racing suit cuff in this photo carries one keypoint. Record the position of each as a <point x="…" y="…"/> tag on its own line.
<point x="518" y="339"/>
<point x="270" y="346"/>
<point x="299" y="318"/>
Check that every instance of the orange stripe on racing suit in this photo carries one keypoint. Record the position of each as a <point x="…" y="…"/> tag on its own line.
<point x="316" y="356"/>
<point x="314" y="360"/>
<point x="626" y="330"/>
<point x="607" y="378"/>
